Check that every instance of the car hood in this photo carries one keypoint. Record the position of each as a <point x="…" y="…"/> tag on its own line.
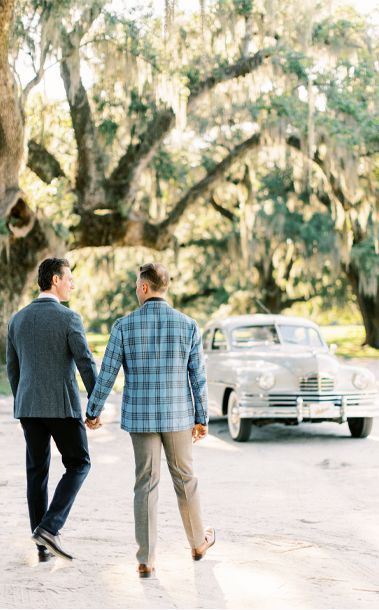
<point x="297" y="359"/>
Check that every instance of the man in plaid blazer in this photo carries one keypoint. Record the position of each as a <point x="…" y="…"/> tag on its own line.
<point x="164" y="403"/>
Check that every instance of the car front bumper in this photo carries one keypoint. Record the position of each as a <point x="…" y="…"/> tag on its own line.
<point x="299" y="407"/>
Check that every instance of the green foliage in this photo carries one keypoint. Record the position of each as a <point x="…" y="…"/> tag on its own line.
<point x="169" y="168"/>
<point x="208" y="162"/>
<point x="295" y="62"/>
<point x="3" y="227"/>
<point x="61" y="231"/>
<point x="365" y="257"/>
<point x="290" y="237"/>
<point x="5" y="388"/>
<point x="136" y="106"/>
<point x="318" y="234"/>
<point x="339" y="32"/>
<point x="193" y="76"/>
<point x="349" y="341"/>
<point x="243" y="7"/>
<point x="108" y="129"/>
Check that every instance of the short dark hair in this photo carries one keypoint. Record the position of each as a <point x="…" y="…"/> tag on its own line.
<point x="156" y="275"/>
<point x="48" y="268"/>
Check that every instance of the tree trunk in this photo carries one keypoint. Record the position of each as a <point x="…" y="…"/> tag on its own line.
<point x="11" y="150"/>
<point x="369" y="308"/>
<point x="11" y="120"/>
<point x="19" y="258"/>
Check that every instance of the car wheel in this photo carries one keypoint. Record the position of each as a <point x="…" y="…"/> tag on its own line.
<point x="239" y="428"/>
<point x="360" y="427"/>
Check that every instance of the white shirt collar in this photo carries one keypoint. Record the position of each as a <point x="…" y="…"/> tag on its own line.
<point x="48" y="295"/>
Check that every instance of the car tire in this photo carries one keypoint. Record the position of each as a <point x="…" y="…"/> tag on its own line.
<point x="360" y="427"/>
<point x="239" y="428"/>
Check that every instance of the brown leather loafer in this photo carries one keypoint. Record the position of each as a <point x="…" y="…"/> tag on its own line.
<point x="145" y="571"/>
<point x="210" y="539"/>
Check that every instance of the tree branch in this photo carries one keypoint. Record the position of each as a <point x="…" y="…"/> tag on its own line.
<point x="139" y="155"/>
<point x="203" y="187"/>
<point x="45" y="44"/>
<point x="302" y="299"/>
<point x="294" y="142"/>
<point x="221" y="210"/>
<point x="206" y="292"/>
<point x="124" y="177"/>
<point x="90" y="179"/>
<point x="88" y="16"/>
<point x="206" y="243"/>
<point x="245" y="65"/>
<point x="43" y="163"/>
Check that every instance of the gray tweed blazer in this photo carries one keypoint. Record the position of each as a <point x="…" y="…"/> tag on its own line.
<point x="45" y="342"/>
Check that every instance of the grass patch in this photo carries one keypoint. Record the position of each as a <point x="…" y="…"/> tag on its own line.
<point x="349" y="339"/>
<point x="97" y="343"/>
<point x="5" y="388"/>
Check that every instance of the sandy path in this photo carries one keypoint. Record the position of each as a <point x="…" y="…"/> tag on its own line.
<point x="296" y="513"/>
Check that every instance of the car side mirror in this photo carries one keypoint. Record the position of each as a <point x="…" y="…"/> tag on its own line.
<point x="333" y="348"/>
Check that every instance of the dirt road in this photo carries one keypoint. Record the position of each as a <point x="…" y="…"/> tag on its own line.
<point x="296" y="512"/>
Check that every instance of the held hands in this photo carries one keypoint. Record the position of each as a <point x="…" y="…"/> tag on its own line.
<point x="93" y="424"/>
<point x="199" y="431"/>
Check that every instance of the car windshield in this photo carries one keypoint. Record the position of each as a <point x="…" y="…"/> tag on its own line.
<point x="300" y="335"/>
<point x="249" y="336"/>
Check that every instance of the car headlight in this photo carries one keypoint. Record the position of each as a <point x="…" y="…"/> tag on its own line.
<point x="266" y="381"/>
<point x="360" y="380"/>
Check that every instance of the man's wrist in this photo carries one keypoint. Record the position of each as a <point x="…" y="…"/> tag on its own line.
<point x="91" y="417"/>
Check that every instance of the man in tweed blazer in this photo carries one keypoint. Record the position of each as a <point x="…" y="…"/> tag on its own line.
<point x="45" y="342"/>
<point x="164" y="403"/>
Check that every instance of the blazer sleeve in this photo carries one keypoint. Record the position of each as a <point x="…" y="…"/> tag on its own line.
<point x="112" y="361"/>
<point x="82" y="355"/>
<point x="13" y="365"/>
<point x="197" y="377"/>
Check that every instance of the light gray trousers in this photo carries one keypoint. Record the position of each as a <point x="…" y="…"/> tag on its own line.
<point x="147" y="452"/>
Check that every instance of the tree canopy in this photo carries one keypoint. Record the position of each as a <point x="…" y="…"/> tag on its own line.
<point x="243" y="133"/>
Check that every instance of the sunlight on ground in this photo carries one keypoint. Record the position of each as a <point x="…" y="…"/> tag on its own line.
<point x="102" y="435"/>
<point x="246" y="587"/>
<point x="213" y="442"/>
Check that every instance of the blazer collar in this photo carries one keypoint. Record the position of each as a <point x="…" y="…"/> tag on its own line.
<point x="159" y="299"/>
<point x="45" y="300"/>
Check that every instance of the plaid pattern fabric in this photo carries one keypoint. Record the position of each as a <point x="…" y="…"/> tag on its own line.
<point x="161" y="353"/>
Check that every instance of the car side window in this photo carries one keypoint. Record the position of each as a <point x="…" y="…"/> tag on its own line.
<point x="314" y="339"/>
<point x="207" y="338"/>
<point x="219" y="340"/>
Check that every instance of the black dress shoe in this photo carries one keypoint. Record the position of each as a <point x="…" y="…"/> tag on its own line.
<point x="53" y="543"/>
<point x="44" y="555"/>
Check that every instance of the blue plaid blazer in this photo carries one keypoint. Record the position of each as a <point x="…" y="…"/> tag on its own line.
<point x="161" y="353"/>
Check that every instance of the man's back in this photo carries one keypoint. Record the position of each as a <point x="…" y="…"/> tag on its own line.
<point x="160" y="350"/>
<point x="44" y="342"/>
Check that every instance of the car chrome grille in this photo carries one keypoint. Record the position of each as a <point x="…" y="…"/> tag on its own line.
<point x="316" y="383"/>
<point x="290" y="400"/>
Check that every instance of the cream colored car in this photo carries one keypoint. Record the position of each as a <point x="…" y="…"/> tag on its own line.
<point x="271" y="368"/>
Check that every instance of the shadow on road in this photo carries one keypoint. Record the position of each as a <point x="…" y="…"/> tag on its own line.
<point x="304" y="433"/>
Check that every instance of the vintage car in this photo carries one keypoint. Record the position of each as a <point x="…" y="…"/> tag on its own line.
<point x="271" y="368"/>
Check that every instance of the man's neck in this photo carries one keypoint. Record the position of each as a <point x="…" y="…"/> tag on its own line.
<point x="155" y="297"/>
<point x="48" y="294"/>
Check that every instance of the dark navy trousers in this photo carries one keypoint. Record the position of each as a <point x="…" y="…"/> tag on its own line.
<point x="69" y="435"/>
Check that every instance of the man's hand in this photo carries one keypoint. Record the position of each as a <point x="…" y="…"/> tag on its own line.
<point x="199" y="431"/>
<point x="93" y="424"/>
